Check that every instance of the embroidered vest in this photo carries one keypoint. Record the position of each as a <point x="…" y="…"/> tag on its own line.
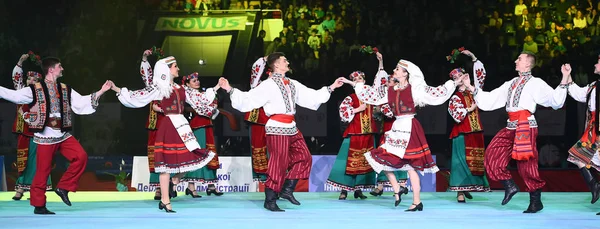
<point x="19" y="125"/>
<point x="153" y="117"/>
<point x="363" y="122"/>
<point x="471" y="123"/>
<point x="256" y="116"/>
<point x="596" y="129"/>
<point x="39" y="112"/>
<point x="401" y="101"/>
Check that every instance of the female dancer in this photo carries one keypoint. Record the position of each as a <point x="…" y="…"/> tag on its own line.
<point x="26" y="148"/>
<point x="155" y="114"/>
<point x="388" y="121"/>
<point x="176" y="149"/>
<point x="467" y="171"/>
<point x="405" y="146"/>
<point x="201" y="123"/>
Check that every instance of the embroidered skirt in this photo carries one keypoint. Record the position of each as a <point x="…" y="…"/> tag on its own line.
<point x="417" y="155"/>
<point x="584" y="153"/>
<point x="205" y="174"/>
<point x="171" y="154"/>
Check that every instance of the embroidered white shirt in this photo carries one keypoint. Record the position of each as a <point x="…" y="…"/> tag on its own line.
<point x="275" y="97"/>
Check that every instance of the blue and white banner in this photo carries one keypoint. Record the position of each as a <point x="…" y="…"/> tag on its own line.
<point x="234" y="174"/>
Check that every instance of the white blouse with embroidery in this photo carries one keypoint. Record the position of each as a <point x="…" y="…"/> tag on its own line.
<point x="81" y="105"/>
<point x="378" y="94"/>
<point x="140" y="98"/>
<point x="277" y="98"/>
<point x="346" y="110"/>
<point x="580" y="94"/>
<point x="456" y="107"/>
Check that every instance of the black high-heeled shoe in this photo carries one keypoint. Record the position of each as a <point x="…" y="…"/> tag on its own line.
<point x="468" y="195"/>
<point x="359" y="194"/>
<point x="213" y="190"/>
<point x="18" y="197"/>
<point x="172" y="193"/>
<point x="398" y="200"/>
<point x="418" y="207"/>
<point x="378" y="193"/>
<point x="190" y="192"/>
<point x="343" y="195"/>
<point x="403" y="190"/>
<point x="162" y="206"/>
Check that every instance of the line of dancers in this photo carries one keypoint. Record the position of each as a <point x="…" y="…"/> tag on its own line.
<point x="181" y="143"/>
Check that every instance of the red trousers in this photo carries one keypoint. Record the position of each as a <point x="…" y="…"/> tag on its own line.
<point x="289" y="158"/>
<point x="498" y="155"/>
<point x="70" y="149"/>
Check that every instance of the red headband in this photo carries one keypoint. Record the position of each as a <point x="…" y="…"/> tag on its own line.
<point x="189" y="77"/>
<point x="455" y="72"/>
<point x="33" y="74"/>
<point x="356" y="74"/>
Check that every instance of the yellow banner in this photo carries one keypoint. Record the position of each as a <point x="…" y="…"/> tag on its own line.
<point x="200" y="24"/>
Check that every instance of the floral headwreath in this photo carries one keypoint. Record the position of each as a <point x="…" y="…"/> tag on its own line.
<point x="454" y="55"/>
<point x="158" y="52"/>
<point x="189" y="77"/>
<point x="456" y="71"/>
<point x="34" y="58"/>
<point x="35" y="75"/>
<point x="368" y="49"/>
<point x="356" y="74"/>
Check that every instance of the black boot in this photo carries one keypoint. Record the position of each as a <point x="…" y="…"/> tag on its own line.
<point x="591" y="181"/>
<point x="510" y="189"/>
<point x="64" y="195"/>
<point x="535" y="202"/>
<point x="270" y="201"/>
<point x="42" y="211"/>
<point x="288" y="191"/>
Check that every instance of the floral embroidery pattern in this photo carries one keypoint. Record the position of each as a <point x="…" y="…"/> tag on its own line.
<point x="480" y="75"/>
<point x="387" y="111"/>
<point x="373" y="94"/>
<point x="346" y="109"/>
<point x="457" y="109"/>
<point x="436" y="91"/>
<point x="142" y="92"/>
<point x="399" y="143"/>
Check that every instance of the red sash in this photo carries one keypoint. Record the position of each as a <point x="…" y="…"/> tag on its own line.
<point x="522" y="149"/>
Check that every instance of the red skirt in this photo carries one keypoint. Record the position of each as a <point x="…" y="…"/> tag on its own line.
<point x="417" y="155"/>
<point x="171" y="155"/>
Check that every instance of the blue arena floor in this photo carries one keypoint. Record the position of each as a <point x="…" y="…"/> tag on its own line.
<point x="318" y="210"/>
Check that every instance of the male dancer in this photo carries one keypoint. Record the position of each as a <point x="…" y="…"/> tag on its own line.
<point x="50" y="118"/>
<point x="289" y="158"/>
<point x="520" y="96"/>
